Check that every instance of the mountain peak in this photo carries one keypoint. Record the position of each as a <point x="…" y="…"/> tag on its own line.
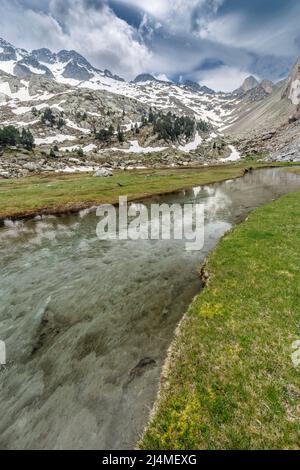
<point x="197" y="87"/>
<point x="66" y="56"/>
<point x="249" y="83"/>
<point x="267" y="85"/>
<point x="107" y="73"/>
<point x="145" y="77"/>
<point x="4" y="43"/>
<point x="10" y="53"/>
<point x="44" y="55"/>
<point x="44" y="62"/>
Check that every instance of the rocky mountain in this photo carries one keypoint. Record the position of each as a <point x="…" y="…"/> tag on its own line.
<point x="267" y="86"/>
<point x="72" y="70"/>
<point x="254" y="90"/>
<point x="83" y="99"/>
<point x="196" y="87"/>
<point x="248" y="84"/>
<point x="145" y="77"/>
<point x="65" y="66"/>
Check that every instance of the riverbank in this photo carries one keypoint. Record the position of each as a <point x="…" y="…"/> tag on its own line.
<point x="230" y="382"/>
<point x="58" y="194"/>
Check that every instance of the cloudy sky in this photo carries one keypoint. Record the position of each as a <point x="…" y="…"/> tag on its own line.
<point x="214" y="42"/>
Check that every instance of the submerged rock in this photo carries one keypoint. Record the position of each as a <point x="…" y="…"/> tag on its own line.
<point x="141" y="367"/>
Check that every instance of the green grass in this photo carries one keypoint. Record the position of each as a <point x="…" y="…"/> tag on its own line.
<point x="230" y="383"/>
<point x="58" y="193"/>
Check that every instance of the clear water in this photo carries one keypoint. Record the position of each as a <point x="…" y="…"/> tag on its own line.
<point x="87" y="322"/>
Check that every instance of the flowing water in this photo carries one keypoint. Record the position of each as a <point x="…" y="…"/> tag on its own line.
<point x="87" y="322"/>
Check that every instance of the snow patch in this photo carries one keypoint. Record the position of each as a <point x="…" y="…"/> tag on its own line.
<point x="136" y="148"/>
<point x="7" y="66"/>
<point x="233" y="157"/>
<point x="89" y="148"/>
<point x="192" y="145"/>
<point x="74" y="126"/>
<point x="53" y="139"/>
<point x="73" y="148"/>
<point x="127" y="127"/>
<point x="76" y="169"/>
<point x="22" y="94"/>
<point x="94" y="114"/>
<point x="35" y="70"/>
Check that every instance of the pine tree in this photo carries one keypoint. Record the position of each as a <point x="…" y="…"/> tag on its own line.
<point x="48" y="117"/>
<point x="120" y="135"/>
<point x="111" y="130"/>
<point x="27" y="139"/>
<point x="80" y="152"/>
<point x="61" y="123"/>
<point x="9" y="135"/>
<point x="144" y="121"/>
<point x="151" y="116"/>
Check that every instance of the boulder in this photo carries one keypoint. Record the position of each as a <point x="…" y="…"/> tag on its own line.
<point x="295" y="117"/>
<point x="4" y="174"/>
<point x="31" y="166"/>
<point x="103" y="172"/>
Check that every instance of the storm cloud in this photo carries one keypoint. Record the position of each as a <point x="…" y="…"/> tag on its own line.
<point x="214" y="42"/>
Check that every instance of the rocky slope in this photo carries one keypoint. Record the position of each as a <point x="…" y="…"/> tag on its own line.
<point x="271" y="125"/>
<point x="85" y="99"/>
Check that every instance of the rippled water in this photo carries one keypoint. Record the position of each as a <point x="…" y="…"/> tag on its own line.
<point x="87" y="322"/>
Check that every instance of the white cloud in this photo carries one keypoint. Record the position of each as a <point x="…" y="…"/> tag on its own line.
<point x="27" y="28"/>
<point x="235" y="30"/>
<point x="175" y="15"/>
<point x="224" y="78"/>
<point x="103" y="38"/>
<point x="223" y="29"/>
<point x="163" y="77"/>
<point x="158" y="8"/>
<point x="174" y="37"/>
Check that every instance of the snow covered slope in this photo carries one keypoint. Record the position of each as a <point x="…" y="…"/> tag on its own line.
<point x="88" y="99"/>
<point x="72" y="69"/>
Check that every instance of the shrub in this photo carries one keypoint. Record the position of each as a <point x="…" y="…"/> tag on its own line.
<point x="27" y="139"/>
<point x="10" y="135"/>
<point x="105" y="135"/>
<point x="48" y="117"/>
<point x="203" y="126"/>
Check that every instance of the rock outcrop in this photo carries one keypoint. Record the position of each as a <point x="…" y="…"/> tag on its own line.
<point x="292" y="88"/>
<point x="248" y="84"/>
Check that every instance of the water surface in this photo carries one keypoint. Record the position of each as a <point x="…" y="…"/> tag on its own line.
<point x="87" y="322"/>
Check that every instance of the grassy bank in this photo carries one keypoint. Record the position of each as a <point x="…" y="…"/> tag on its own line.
<point x="59" y="193"/>
<point x="230" y="382"/>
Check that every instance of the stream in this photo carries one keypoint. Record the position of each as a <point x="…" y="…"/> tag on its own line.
<point x="87" y="323"/>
